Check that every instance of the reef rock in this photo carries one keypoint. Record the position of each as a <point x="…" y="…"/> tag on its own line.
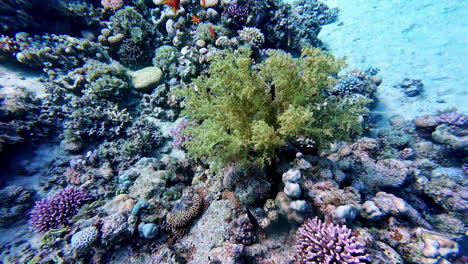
<point x="208" y="232"/>
<point x="449" y="188"/>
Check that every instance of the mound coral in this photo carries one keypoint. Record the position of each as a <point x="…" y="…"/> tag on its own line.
<point x="56" y="211"/>
<point x="245" y="111"/>
<point x="319" y="242"/>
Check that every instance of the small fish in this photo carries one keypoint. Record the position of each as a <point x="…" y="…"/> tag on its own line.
<point x="212" y="33"/>
<point x="252" y="219"/>
<point x="195" y="20"/>
<point x="175" y="4"/>
<point x="203" y="3"/>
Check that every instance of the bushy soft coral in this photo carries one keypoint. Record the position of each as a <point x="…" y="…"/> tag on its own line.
<point x="246" y="111"/>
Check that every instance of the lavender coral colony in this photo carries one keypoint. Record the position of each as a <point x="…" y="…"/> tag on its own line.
<point x="319" y="242"/>
<point x="57" y="211"/>
<point x="213" y="131"/>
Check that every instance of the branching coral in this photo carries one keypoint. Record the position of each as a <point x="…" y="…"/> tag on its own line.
<point x="246" y="111"/>
<point x="56" y="211"/>
<point x="323" y="243"/>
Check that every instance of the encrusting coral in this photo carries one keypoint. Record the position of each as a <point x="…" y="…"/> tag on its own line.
<point x="244" y="112"/>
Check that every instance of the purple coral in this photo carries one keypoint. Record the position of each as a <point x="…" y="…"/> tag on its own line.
<point x="455" y="119"/>
<point x="324" y="243"/>
<point x="237" y="14"/>
<point x="179" y="137"/>
<point x="53" y="212"/>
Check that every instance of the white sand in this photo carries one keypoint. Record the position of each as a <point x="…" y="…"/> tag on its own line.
<point x="417" y="39"/>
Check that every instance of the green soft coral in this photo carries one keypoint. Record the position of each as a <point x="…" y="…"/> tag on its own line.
<point x="245" y="111"/>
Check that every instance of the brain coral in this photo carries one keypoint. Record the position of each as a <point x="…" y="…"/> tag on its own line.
<point x="55" y="211"/>
<point x="183" y="214"/>
<point x="84" y="238"/>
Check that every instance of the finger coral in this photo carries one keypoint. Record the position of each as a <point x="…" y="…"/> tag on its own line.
<point x="245" y="111"/>
<point x="319" y="242"/>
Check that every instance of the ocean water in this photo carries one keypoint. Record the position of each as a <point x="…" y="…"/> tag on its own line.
<point x="233" y="131"/>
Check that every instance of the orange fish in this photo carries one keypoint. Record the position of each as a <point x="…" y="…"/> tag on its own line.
<point x="175" y="4"/>
<point x="203" y="3"/>
<point x="195" y="20"/>
<point x="212" y="33"/>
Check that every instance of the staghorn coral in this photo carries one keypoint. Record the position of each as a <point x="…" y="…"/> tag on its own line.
<point x="325" y="243"/>
<point x="183" y="213"/>
<point x="265" y="105"/>
<point x="132" y="55"/>
<point x="56" y="211"/>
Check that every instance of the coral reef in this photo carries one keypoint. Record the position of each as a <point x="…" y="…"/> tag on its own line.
<point x="129" y="22"/>
<point x="14" y="202"/>
<point x="54" y="53"/>
<point x="57" y="210"/>
<point x="24" y="117"/>
<point x="270" y="122"/>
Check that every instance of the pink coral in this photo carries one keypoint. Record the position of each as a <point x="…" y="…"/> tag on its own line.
<point x="112" y="4"/>
<point x="325" y="243"/>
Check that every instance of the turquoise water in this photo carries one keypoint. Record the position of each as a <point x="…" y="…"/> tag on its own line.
<point x="233" y="131"/>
